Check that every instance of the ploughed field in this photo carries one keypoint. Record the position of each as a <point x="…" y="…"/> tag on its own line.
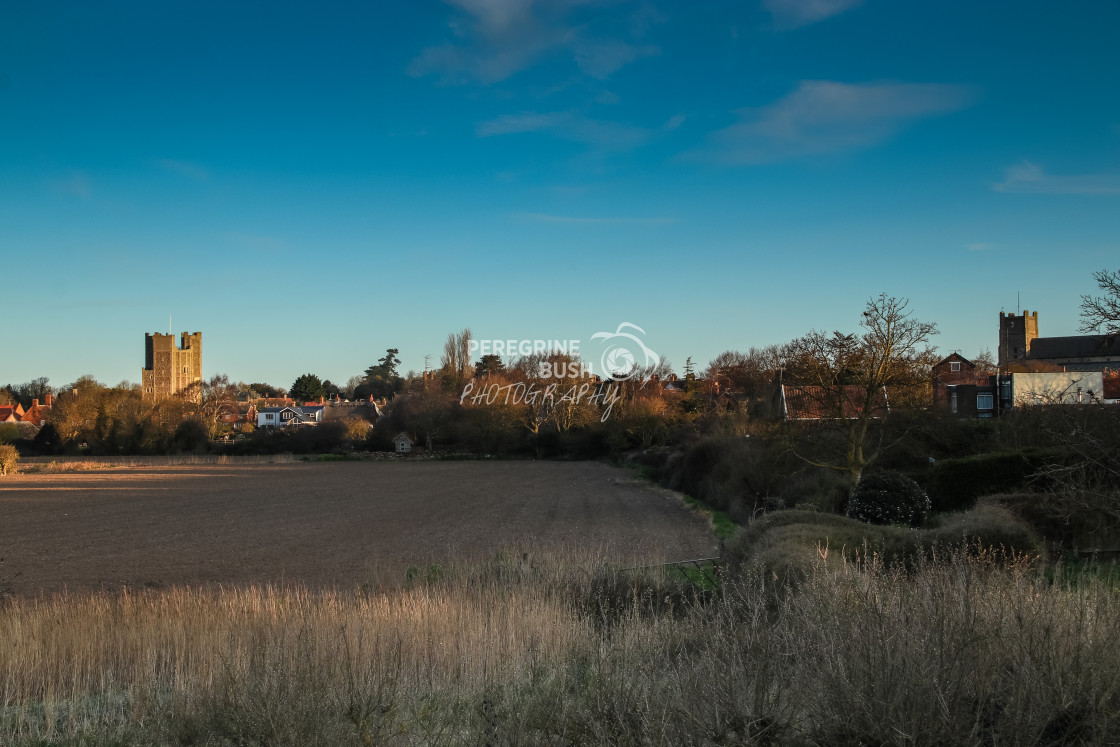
<point x="325" y="524"/>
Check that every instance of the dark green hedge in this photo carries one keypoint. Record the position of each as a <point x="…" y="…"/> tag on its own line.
<point x="955" y="484"/>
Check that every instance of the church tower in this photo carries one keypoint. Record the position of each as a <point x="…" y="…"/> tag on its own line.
<point x="1016" y="332"/>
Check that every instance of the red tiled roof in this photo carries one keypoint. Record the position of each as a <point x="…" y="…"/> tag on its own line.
<point x="826" y="403"/>
<point x="1112" y="387"/>
<point x="36" y="414"/>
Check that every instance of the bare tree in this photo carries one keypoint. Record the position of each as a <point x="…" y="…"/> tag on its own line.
<point x="456" y="358"/>
<point x="218" y="395"/>
<point x="1102" y="312"/>
<point x="351" y="384"/>
<point x="985" y="362"/>
<point x="851" y="377"/>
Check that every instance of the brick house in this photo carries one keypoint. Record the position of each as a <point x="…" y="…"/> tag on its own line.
<point x="829" y="403"/>
<point x="37" y="413"/>
<point x="961" y="388"/>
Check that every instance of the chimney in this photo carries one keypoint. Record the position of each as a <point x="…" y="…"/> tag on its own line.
<point x="34" y="403"/>
<point x="48" y="400"/>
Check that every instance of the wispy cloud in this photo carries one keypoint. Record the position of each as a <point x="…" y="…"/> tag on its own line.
<point x="601" y="58"/>
<point x="546" y="218"/>
<point x="571" y="126"/>
<point x="76" y="184"/>
<point x="1027" y="178"/>
<point x="525" y="122"/>
<point x="826" y="116"/>
<point x="495" y="39"/>
<point x="184" y="168"/>
<point x="673" y="122"/>
<point x="791" y="14"/>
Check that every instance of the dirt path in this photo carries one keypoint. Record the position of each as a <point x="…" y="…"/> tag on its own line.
<point x="323" y="524"/>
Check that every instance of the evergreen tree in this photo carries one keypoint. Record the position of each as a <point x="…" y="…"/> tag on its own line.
<point x="307" y="388"/>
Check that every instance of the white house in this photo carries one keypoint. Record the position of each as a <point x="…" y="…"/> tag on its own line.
<point x="1059" y="387"/>
<point x="276" y="417"/>
<point x="403" y="443"/>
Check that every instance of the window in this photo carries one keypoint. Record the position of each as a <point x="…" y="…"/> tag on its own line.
<point x="268" y="416"/>
<point x="955" y="366"/>
<point x="953" y="402"/>
<point x="984" y="402"/>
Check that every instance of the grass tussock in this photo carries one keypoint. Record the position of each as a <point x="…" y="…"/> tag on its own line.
<point x="967" y="650"/>
<point x="788" y="544"/>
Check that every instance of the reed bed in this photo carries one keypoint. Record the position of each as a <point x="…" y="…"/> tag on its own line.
<point x="971" y="649"/>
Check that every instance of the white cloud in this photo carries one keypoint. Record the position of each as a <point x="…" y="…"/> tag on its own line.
<point x="1027" y="178"/>
<point x="494" y="16"/>
<point x="568" y="126"/>
<point x="825" y="116"/>
<point x="791" y="14"/>
<point x="499" y="38"/>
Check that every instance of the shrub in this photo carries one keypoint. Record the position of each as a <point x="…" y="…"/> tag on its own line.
<point x="888" y="498"/>
<point x="1071" y="518"/>
<point x="733" y="474"/>
<point x="47" y="441"/>
<point x="9" y="459"/>
<point x="789" y="545"/>
<point x="986" y="526"/>
<point x="191" y="436"/>
<point x="955" y="484"/>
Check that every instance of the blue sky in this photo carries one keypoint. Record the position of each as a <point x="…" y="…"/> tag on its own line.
<point x="309" y="185"/>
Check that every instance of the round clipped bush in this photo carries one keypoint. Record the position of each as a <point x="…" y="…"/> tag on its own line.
<point x="9" y="459"/>
<point x="888" y="498"/>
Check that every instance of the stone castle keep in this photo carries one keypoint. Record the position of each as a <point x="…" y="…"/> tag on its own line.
<point x="169" y="371"/>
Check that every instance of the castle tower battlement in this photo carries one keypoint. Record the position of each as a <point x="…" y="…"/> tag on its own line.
<point x="171" y="371"/>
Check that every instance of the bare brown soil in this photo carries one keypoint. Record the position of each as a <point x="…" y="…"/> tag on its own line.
<point x="329" y="524"/>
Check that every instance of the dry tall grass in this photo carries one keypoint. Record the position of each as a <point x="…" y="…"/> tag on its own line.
<point x="85" y="464"/>
<point x="970" y="650"/>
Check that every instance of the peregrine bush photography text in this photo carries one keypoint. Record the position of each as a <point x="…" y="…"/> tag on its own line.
<point x="576" y="373"/>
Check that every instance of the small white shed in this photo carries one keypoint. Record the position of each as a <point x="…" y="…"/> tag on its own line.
<point x="403" y="443"/>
